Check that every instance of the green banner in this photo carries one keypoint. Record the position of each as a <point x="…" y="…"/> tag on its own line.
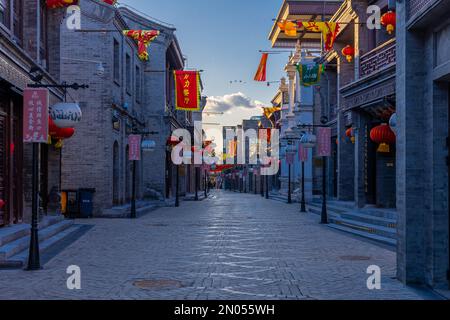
<point x="309" y="74"/>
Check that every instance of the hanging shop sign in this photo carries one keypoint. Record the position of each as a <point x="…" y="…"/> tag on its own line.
<point x="302" y="153"/>
<point x="35" y="115"/>
<point x="310" y="74"/>
<point x="324" y="142"/>
<point x="290" y="158"/>
<point x="148" y="145"/>
<point x="134" y="147"/>
<point x="187" y="90"/>
<point x="65" y="115"/>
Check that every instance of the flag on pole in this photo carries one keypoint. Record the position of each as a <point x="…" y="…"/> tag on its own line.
<point x="288" y="27"/>
<point x="310" y="74"/>
<point x="144" y="38"/>
<point x="329" y="31"/>
<point x="262" y="68"/>
<point x="187" y="90"/>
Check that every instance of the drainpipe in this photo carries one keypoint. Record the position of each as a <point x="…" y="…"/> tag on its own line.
<point x="38" y="32"/>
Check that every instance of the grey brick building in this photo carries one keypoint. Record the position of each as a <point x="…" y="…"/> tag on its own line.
<point x="423" y="91"/>
<point x="24" y="43"/>
<point x="129" y="93"/>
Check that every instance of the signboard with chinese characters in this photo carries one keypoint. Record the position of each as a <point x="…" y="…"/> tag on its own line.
<point x="35" y="115"/>
<point x="134" y="147"/>
<point x="187" y="90"/>
<point x="302" y="153"/>
<point x="324" y="142"/>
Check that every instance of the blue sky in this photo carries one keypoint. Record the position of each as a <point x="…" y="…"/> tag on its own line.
<point x="223" y="37"/>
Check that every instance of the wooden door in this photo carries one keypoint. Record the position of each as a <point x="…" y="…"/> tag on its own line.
<point x="3" y="168"/>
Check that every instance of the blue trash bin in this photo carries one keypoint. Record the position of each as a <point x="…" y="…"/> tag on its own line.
<point x="86" y="202"/>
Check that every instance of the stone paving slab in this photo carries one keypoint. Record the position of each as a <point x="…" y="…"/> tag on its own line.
<point x="230" y="246"/>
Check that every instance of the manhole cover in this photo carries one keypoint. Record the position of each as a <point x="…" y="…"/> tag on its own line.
<point x="355" y="258"/>
<point x="157" y="284"/>
<point x="157" y="225"/>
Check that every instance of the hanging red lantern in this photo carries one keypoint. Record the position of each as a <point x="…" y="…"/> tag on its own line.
<point x="53" y="4"/>
<point x="12" y="147"/>
<point x="2" y="203"/>
<point x="349" y="134"/>
<point x="59" y="133"/>
<point x="389" y="20"/>
<point x="349" y="53"/>
<point x="384" y="136"/>
<point x="173" y="141"/>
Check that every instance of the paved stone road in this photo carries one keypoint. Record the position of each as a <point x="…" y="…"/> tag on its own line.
<point x="233" y="246"/>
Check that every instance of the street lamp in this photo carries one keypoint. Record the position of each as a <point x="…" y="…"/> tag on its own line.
<point x="290" y="150"/>
<point x="146" y="146"/>
<point x="309" y="140"/>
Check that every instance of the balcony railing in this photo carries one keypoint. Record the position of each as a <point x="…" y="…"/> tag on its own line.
<point x="379" y="58"/>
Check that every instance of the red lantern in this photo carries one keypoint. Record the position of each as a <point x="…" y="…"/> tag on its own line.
<point x="53" y="4"/>
<point x="59" y="133"/>
<point x="173" y="141"/>
<point x="2" y="203"/>
<point x="349" y="134"/>
<point x="12" y="147"/>
<point x="349" y="53"/>
<point x="389" y="20"/>
<point x="384" y="136"/>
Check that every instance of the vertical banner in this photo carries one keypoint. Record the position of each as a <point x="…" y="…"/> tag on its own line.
<point x="187" y="90"/>
<point x="35" y="115"/>
<point x="324" y="142"/>
<point x="134" y="147"/>
<point x="302" y="153"/>
<point x="261" y="73"/>
<point x="290" y="158"/>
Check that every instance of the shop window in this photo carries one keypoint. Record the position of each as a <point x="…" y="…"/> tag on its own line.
<point x="138" y="79"/>
<point x="116" y="61"/>
<point x="128" y="73"/>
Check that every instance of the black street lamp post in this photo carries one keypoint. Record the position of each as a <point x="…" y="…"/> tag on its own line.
<point x="267" y="186"/>
<point x="303" y="202"/>
<point x="133" y="213"/>
<point x="324" y="212"/>
<point x="289" y="186"/>
<point x="33" y="253"/>
<point x="177" y="188"/>
<point x="197" y="178"/>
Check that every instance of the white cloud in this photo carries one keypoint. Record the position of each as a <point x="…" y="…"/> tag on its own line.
<point x="231" y="101"/>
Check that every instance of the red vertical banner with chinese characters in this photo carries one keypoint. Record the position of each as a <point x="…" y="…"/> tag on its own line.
<point x="187" y="90"/>
<point x="134" y="147"/>
<point x="324" y="142"/>
<point x="35" y="115"/>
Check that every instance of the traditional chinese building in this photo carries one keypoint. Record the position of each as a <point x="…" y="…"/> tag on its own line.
<point x="25" y="43"/>
<point x="423" y="106"/>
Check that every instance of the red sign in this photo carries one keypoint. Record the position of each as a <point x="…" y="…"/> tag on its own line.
<point x="187" y="90"/>
<point x="134" y="147"/>
<point x="324" y="142"/>
<point x="302" y="153"/>
<point x="35" y="115"/>
<point x="290" y="158"/>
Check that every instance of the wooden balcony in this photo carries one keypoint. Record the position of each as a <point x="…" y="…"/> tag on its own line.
<point x="379" y="58"/>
